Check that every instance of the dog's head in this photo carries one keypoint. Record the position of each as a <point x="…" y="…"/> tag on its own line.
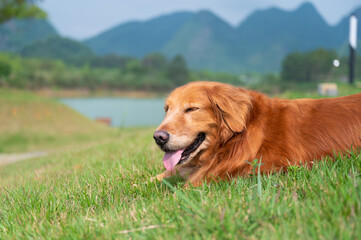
<point x="198" y="116"/>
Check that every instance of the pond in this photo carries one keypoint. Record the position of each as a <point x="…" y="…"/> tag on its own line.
<point x="123" y="112"/>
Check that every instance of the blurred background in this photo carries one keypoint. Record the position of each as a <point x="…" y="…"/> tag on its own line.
<point x="70" y="69"/>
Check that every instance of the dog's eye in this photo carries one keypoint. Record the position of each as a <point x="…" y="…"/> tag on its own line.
<point x="166" y="108"/>
<point x="191" y="109"/>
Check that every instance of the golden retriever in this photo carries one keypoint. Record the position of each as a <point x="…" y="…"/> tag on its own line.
<point x="211" y="130"/>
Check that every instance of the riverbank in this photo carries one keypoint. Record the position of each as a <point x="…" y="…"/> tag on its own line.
<point x="29" y="122"/>
<point x="86" y="93"/>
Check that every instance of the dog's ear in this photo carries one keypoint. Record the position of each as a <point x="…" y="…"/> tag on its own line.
<point x="231" y="106"/>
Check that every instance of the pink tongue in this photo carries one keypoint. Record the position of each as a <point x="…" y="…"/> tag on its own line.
<point x="171" y="159"/>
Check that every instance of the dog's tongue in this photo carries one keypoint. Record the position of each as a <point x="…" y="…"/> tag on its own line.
<point x="171" y="159"/>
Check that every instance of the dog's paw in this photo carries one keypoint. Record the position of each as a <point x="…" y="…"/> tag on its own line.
<point x="159" y="178"/>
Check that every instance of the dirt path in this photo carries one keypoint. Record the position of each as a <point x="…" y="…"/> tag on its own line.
<point x="9" y="158"/>
<point x="15" y="157"/>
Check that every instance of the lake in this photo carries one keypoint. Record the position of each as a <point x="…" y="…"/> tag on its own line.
<point x="123" y="112"/>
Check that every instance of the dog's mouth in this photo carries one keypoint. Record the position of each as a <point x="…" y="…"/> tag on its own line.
<point x="173" y="158"/>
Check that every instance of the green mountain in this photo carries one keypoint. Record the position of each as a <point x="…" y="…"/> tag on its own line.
<point x="139" y="38"/>
<point x="15" y="34"/>
<point x="206" y="41"/>
<point x="259" y="43"/>
<point x="38" y="38"/>
<point x="57" y="48"/>
<point x="343" y="29"/>
<point x="268" y="35"/>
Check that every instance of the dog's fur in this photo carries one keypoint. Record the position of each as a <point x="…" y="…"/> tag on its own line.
<point x="242" y="125"/>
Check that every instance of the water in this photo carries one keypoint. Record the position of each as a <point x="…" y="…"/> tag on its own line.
<point x="123" y="112"/>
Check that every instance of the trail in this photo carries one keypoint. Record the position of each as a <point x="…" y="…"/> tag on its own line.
<point x="9" y="158"/>
<point x="16" y="157"/>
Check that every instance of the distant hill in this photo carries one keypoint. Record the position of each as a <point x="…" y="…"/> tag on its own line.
<point x="259" y="43"/>
<point x="343" y="29"/>
<point x="57" y="48"/>
<point x="139" y="38"/>
<point x="206" y="41"/>
<point x="270" y="34"/>
<point x="15" y="34"/>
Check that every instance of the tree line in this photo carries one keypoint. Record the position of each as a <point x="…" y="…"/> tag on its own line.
<point x="316" y="66"/>
<point x="79" y="68"/>
<point x="154" y="72"/>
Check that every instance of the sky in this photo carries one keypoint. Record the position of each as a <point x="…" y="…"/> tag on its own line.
<point x="81" y="19"/>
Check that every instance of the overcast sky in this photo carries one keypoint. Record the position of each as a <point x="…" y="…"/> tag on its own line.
<point x="80" y="19"/>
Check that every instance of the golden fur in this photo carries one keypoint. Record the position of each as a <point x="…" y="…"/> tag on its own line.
<point x="242" y="125"/>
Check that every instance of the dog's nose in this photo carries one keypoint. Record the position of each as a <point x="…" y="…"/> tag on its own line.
<point x="161" y="137"/>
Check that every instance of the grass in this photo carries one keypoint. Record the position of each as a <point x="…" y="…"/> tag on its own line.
<point x="344" y="89"/>
<point x="104" y="191"/>
<point x="30" y="122"/>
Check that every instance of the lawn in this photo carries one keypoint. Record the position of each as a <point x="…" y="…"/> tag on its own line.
<point x="29" y="122"/>
<point x="104" y="191"/>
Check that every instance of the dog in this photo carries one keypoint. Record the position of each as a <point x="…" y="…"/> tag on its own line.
<point x="212" y="131"/>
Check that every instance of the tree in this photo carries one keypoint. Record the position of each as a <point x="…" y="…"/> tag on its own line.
<point x="154" y="61"/>
<point x="19" y="9"/>
<point x="177" y="71"/>
<point x="135" y="67"/>
<point x="110" y="61"/>
<point x="295" y="68"/>
<point x="5" y="69"/>
<point x="309" y="66"/>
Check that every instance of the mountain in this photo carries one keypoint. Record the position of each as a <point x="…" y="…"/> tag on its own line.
<point x="259" y="43"/>
<point x="343" y="26"/>
<point x="205" y="41"/>
<point x="139" y="38"/>
<point x="268" y="35"/>
<point x="56" y="47"/>
<point x="15" y="34"/>
<point x="343" y="29"/>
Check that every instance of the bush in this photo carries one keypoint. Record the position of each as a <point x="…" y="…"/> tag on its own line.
<point x="310" y="66"/>
<point x="5" y="69"/>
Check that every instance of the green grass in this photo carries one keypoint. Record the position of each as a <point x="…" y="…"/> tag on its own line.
<point x="310" y="91"/>
<point x="29" y="122"/>
<point x="104" y="192"/>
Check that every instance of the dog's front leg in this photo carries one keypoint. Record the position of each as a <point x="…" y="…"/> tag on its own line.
<point x="196" y="182"/>
<point x="183" y="172"/>
<point x="166" y="174"/>
<point x="195" y="179"/>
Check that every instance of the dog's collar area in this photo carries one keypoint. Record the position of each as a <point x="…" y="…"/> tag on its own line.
<point x="197" y="142"/>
